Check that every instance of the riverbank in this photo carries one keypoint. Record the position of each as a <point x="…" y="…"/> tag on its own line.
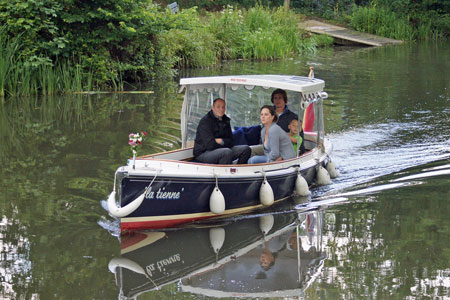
<point x="142" y="44"/>
<point x="100" y="47"/>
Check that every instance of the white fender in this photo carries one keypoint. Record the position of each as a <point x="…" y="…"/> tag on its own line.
<point x="216" y="238"/>
<point x="266" y="223"/>
<point x="125" y="263"/>
<point x="331" y="168"/>
<point x="323" y="178"/>
<point x="301" y="186"/>
<point x="266" y="193"/>
<point x="127" y="209"/>
<point x="217" y="201"/>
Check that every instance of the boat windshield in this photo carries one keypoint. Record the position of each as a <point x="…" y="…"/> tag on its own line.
<point x="243" y="106"/>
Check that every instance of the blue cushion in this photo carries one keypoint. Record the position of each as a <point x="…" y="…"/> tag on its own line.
<point x="247" y="135"/>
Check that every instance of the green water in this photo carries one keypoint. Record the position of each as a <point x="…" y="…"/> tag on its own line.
<point x="386" y="229"/>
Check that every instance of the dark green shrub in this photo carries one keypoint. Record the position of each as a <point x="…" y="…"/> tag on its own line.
<point x="71" y="45"/>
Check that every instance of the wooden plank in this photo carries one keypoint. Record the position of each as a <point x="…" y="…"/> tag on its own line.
<point x="346" y="35"/>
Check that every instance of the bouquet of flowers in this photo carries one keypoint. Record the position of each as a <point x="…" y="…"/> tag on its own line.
<point x="135" y="140"/>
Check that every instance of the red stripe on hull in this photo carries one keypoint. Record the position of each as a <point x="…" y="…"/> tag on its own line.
<point x="157" y="224"/>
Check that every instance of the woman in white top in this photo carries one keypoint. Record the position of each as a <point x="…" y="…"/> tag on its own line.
<point x="276" y="142"/>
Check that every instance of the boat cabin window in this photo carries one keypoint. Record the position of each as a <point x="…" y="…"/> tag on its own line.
<point x="243" y="105"/>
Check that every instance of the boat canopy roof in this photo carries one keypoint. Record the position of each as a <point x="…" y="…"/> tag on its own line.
<point x="286" y="82"/>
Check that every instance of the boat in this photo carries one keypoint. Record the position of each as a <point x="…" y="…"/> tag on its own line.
<point x="170" y="188"/>
<point x="224" y="259"/>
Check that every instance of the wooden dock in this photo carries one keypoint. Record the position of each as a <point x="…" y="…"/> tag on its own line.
<point x="346" y="36"/>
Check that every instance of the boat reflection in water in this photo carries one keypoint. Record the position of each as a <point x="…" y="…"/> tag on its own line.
<point x="265" y="256"/>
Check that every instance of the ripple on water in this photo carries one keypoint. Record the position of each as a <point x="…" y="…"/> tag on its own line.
<point x="365" y="154"/>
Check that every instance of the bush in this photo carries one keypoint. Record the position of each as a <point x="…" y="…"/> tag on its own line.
<point x="72" y="45"/>
<point x="114" y="38"/>
<point x="228" y="29"/>
<point x="258" y="33"/>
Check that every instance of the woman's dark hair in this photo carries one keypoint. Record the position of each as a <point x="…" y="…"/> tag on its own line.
<point x="272" y="112"/>
<point x="281" y="92"/>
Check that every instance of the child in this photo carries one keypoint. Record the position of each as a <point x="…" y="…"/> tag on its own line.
<point x="293" y="135"/>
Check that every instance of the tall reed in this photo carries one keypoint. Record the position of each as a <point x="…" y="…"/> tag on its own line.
<point x="8" y="59"/>
<point x="39" y="75"/>
<point x="22" y="78"/>
<point x="384" y="22"/>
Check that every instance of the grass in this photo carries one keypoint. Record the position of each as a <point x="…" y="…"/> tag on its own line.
<point x="381" y="21"/>
<point x="34" y="75"/>
<point x="257" y="33"/>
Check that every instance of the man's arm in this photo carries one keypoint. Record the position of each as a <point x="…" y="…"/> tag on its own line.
<point x="206" y="131"/>
<point x="228" y="139"/>
<point x="228" y="142"/>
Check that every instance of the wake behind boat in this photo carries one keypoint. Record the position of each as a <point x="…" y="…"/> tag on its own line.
<point x="169" y="188"/>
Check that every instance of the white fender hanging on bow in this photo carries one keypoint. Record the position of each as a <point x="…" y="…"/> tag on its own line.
<point x="331" y="168"/>
<point x="216" y="238"/>
<point x="217" y="200"/>
<point x="323" y="178"/>
<point x="301" y="186"/>
<point x="120" y="212"/>
<point x="266" y="193"/>
<point x="266" y="223"/>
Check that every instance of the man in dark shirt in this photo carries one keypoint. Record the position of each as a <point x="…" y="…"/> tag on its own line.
<point x="285" y="116"/>
<point x="214" y="139"/>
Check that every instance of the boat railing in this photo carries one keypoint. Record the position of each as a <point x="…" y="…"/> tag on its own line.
<point x="187" y="155"/>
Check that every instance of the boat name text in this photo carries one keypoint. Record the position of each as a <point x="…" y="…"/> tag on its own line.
<point x="161" y="264"/>
<point x="163" y="194"/>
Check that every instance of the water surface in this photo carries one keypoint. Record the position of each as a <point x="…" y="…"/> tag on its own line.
<point x="380" y="230"/>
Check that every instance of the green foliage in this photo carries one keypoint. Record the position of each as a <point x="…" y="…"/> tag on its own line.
<point x="229" y="30"/>
<point x="385" y="22"/>
<point x="322" y="40"/>
<point x="114" y="38"/>
<point x="8" y="59"/>
<point x="257" y="33"/>
<point x="187" y="43"/>
<point x="272" y="34"/>
<point x="21" y="76"/>
<point x="382" y="22"/>
<point x="52" y="46"/>
<point x="328" y="9"/>
<point x="218" y="5"/>
<point x="36" y="21"/>
<point x="71" y="45"/>
<point x="404" y="19"/>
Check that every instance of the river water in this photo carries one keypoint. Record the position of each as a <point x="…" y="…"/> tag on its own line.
<point x="380" y="231"/>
